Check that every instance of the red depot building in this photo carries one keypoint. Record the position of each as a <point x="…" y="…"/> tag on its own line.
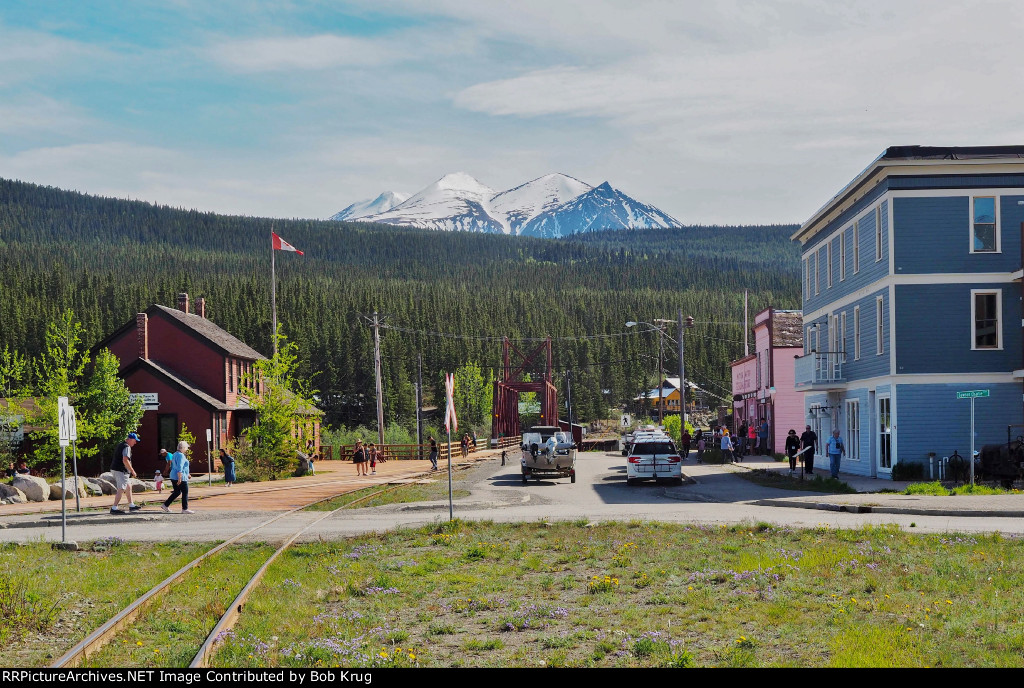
<point x="191" y="372"/>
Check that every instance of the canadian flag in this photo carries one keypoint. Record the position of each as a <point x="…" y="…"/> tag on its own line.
<point x="282" y="245"/>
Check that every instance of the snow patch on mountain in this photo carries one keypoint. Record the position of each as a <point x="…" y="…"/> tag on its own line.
<point x="383" y="203"/>
<point x="603" y="207"/>
<point x="527" y="201"/>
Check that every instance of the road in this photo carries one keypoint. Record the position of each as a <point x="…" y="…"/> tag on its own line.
<point x="716" y="495"/>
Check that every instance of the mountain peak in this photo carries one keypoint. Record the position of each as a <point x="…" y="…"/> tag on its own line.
<point x="460" y="181"/>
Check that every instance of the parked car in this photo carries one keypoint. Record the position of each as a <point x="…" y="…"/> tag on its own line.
<point x="548" y="452"/>
<point x="653" y="456"/>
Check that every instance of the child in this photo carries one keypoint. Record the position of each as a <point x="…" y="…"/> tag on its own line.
<point x="158" y="478"/>
<point x="373" y="459"/>
<point x="700" y="448"/>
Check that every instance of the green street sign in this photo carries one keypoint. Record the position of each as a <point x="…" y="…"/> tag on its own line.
<point x="974" y="394"/>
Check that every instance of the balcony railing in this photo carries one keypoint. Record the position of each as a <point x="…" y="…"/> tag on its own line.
<point x="820" y="370"/>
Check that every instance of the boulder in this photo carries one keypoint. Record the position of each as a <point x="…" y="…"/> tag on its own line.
<point x="92" y="487"/>
<point x="69" y="491"/>
<point x="11" y="495"/>
<point x="34" y="488"/>
<point x="138" y="485"/>
<point x="106" y="486"/>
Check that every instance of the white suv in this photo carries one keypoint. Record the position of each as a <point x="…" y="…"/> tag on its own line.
<point x="653" y="456"/>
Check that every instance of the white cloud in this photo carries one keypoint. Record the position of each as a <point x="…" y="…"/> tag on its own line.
<point x="298" y="53"/>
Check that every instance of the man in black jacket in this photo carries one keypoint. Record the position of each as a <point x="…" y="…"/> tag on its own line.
<point x="808" y="447"/>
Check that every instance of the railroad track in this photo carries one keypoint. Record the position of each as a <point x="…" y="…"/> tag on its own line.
<point x="109" y="630"/>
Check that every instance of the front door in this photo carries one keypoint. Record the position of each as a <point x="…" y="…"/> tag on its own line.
<point x="884" y="434"/>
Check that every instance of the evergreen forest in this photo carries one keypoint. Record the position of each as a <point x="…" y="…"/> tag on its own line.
<point x="448" y="296"/>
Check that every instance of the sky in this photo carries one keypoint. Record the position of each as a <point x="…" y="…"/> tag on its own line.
<point x="716" y="112"/>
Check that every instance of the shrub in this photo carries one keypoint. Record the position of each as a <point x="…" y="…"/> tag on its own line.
<point x="908" y="471"/>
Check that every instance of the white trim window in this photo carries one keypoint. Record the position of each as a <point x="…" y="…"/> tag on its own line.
<point x="856" y="333"/>
<point x="878" y="233"/>
<point x="856" y="247"/>
<point x="807" y="278"/>
<point x="807" y="339"/>
<point x="842" y="332"/>
<point x="842" y="256"/>
<point x="828" y="259"/>
<point x="880" y="325"/>
<point x="816" y="272"/>
<point x="986" y="328"/>
<point x="985" y="224"/>
<point x="853" y="430"/>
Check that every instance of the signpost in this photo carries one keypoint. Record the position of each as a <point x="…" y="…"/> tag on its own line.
<point x="209" y="455"/>
<point x="65" y="429"/>
<point x="74" y="455"/>
<point x="972" y="395"/>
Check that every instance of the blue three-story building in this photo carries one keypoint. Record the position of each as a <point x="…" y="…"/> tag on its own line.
<point x="912" y="293"/>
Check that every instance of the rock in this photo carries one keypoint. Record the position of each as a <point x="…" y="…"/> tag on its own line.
<point x="56" y="487"/>
<point x="34" y="488"/>
<point x="106" y="486"/>
<point x="92" y="487"/>
<point x="138" y="485"/>
<point x="11" y="495"/>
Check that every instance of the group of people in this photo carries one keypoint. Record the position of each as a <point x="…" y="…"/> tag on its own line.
<point x="21" y="469"/>
<point x="807" y="446"/>
<point x="752" y="439"/>
<point x="367" y="457"/>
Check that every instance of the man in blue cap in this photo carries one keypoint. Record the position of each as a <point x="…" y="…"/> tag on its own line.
<point x="121" y="468"/>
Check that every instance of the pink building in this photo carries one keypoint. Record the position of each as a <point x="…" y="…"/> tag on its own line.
<point x="763" y="382"/>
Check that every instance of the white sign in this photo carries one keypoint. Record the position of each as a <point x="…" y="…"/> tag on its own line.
<point x="209" y="435"/>
<point x="625" y="421"/>
<point x="150" y="400"/>
<point x="65" y="419"/>
<point x="74" y="424"/>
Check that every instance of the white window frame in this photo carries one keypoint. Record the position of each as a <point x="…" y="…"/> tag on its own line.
<point x="880" y="325"/>
<point x="842" y="332"/>
<point x="816" y="292"/>
<point x="807" y="278"/>
<point x="878" y="233"/>
<point x="828" y="258"/>
<point x="856" y="247"/>
<point x="853" y="430"/>
<point x="842" y="256"/>
<point x="998" y="234"/>
<point x="807" y="340"/>
<point x="856" y="333"/>
<point x="999" y="319"/>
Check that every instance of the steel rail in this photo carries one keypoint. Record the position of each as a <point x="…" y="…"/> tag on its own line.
<point x="234" y="611"/>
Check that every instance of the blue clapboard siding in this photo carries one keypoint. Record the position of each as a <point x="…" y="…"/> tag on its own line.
<point x="934" y="330"/>
<point x="871" y="364"/>
<point x="933" y="234"/>
<point x="929" y="418"/>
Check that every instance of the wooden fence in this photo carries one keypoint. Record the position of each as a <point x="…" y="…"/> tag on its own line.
<point x="414" y="451"/>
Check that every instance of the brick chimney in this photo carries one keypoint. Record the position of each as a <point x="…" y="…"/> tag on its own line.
<point x="142" y="332"/>
<point x="183" y="302"/>
<point x="201" y="307"/>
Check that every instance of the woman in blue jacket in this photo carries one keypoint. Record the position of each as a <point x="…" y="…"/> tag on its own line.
<point x="179" y="478"/>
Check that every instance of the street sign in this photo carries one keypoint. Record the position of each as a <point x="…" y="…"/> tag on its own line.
<point x="150" y="400"/>
<point x="74" y="424"/>
<point x="65" y="418"/>
<point x="625" y="421"/>
<point x="973" y="394"/>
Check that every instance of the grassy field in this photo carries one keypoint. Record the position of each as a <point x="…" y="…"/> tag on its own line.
<point x="528" y="595"/>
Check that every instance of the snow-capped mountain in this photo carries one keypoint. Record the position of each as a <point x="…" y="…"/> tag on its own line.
<point x="554" y="205"/>
<point x="523" y="203"/>
<point x="600" y="208"/>
<point x="454" y="202"/>
<point x="383" y="203"/>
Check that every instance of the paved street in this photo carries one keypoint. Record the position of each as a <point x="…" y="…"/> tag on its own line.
<point x="715" y="494"/>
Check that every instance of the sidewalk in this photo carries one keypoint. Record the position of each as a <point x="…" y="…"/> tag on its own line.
<point x="332" y="477"/>
<point x="870" y="499"/>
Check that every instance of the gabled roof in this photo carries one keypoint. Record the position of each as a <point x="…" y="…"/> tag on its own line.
<point x="205" y="329"/>
<point x="186" y="386"/>
<point x="208" y="330"/>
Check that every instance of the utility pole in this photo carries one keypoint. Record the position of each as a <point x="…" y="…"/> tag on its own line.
<point x="376" y="323"/>
<point x="660" y="324"/>
<point x="682" y="361"/>
<point x="419" y="404"/>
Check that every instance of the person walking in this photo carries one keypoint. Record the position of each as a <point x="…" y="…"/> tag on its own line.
<point x="836" y="449"/>
<point x="701" y="444"/>
<point x="228" y="462"/>
<point x="465" y="446"/>
<point x="179" y="478"/>
<point x="741" y="439"/>
<point x="792" y="447"/>
<point x="121" y="468"/>
<point x="686" y="439"/>
<point x="751" y="439"/>
<point x="372" y="451"/>
<point x="726" y="447"/>
<point x="762" y="439"/>
<point x="808" y="448"/>
<point x="433" y="454"/>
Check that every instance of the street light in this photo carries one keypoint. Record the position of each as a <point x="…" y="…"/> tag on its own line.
<point x="683" y="324"/>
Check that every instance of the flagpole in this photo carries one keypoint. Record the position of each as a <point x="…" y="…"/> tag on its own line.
<point x="273" y="291"/>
